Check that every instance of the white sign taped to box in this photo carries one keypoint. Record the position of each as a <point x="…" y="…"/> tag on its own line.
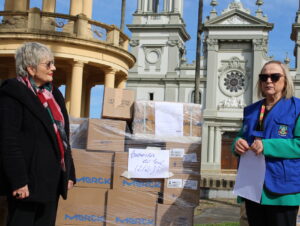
<point x="148" y="163"/>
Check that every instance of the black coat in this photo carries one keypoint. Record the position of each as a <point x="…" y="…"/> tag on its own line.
<point x="29" y="152"/>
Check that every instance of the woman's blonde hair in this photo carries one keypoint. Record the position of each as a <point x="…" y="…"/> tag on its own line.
<point x="288" y="91"/>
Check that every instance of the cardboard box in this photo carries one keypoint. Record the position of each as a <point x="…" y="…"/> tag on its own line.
<point x="144" y="118"/>
<point x="121" y="183"/>
<point x="143" y="143"/>
<point x="178" y="165"/>
<point x="187" y="146"/>
<point x="118" y="103"/>
<point x="106" y="135"/>
<point x="130" y="208"/>
<point x="84" y="206"/>
<point x="185" y="156"/>
<point x="172" y="215"/>
<point x="93" y="169"/>
<point x="182" y="190"/>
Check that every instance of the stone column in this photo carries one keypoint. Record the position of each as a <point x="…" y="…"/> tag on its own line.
<point x="121" y="84"/>
<point x="87" y="8"/>
<point x="145" y="6"/>
<point x="109" y="78"/>
<point x="170" y="5"/>
<point x="76" y="89"/>
<point x="76" y="7"/>
<point x="83" y="94"/>
<point x="212" y="73"/>
<point x="87" y="99"/>
<point x="204" y="145"/>
<point x="211" y="144"/>
<point x="49" y="5"/>
<point x="9" y="5"/>
<point x="218" y="141"/>
<point x="139" y="6"/>
<point x="68" y="90"/>
<point x="178" y="6"/>
<point x="166" y="6"/>
<point x="150" y="6"/>
<point x="259" y="46"/>
<point x="20" y="5"/>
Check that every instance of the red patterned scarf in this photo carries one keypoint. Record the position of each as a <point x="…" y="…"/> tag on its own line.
<point x="46" y="97"/>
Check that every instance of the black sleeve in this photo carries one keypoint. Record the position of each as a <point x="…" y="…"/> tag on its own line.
<point x="12" y="155"/>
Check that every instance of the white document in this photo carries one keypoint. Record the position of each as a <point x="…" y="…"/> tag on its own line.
<point x="250" y="176"/>
<point x="148" y="163"/>
<point x="168" y="119"/>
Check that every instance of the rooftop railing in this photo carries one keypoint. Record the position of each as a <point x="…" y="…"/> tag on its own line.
<point x="81" y="27"/>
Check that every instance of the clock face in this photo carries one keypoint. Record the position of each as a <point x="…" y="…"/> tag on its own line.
<point x="152" y="57"/>
<point x="233" y="83"/>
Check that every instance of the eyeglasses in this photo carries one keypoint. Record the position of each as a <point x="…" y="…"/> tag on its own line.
<point x="48" y="64"/>
<point x="274" y="77"/>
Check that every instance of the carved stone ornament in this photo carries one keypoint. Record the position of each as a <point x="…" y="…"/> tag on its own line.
<point x="260" y="44"/>
<point x="211" y="44"/>
<point x="152" y="56"/>
<point x="231" y="103"/>
<point x="236" y="5"/>
<point x="233" y="80"/>
<point x="172" y="42"/>
<point x="235" y="20"/>
<point x="134" y="43"/>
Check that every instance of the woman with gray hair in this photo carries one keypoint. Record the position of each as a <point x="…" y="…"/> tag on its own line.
<point x="36" y="165"/>
<point x="271" y="127"/>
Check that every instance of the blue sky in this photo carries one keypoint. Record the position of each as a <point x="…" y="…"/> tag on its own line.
<point x="281" y="13"/>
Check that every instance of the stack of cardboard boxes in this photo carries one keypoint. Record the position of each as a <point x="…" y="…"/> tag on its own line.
<point x="103" y="194"/>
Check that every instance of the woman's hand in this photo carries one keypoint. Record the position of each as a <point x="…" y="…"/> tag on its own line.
<point x="21" y="193"/>
<point x="241" y="146"/>
<point x="257" y="146"/>
<point x="70" y="184"/>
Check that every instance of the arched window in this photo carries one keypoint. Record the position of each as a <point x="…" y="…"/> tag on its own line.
<point x="193" y="97"/>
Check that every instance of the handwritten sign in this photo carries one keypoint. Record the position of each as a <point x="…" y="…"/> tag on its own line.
<point x="148" y="163"/>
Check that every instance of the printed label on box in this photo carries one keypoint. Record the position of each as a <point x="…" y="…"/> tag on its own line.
<point x="190" y="157"/>
<point x="174" y="183"/>
<point x="190" y="184"/>
<point x="177" y="153"/>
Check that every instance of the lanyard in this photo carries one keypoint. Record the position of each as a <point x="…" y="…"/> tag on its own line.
<point x="261" y="115"/>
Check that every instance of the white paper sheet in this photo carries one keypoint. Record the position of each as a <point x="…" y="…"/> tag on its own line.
<point x="250" y="176"/>
<point x="168" y="119"/>
<point x="148" y="163"/>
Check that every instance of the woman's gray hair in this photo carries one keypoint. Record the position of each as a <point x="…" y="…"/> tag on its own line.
<point x="30" y="54"/>
<point x="288" y="91"/>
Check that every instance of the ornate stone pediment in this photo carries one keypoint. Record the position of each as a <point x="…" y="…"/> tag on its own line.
<point x="236" y="17"/>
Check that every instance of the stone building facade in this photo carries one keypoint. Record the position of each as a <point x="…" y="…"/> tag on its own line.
<point x="235" y="47"/>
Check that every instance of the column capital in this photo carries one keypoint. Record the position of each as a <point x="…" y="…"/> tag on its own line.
<point x="212" y="44"/>
<point x="78" y="63"/>
<point x="110" y="70"/>
<point x="260" y="44"/>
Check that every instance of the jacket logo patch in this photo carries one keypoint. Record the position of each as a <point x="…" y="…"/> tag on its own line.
<point x="283" y="130"/>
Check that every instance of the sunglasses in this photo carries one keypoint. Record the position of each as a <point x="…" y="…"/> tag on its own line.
<point x="49" y="64"/>
<point x="274" y="77"/>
